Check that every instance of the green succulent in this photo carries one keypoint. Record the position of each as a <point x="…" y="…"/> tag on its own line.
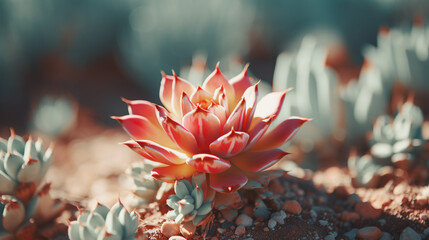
<point x="105" y="223"/>
<point x="145" y="187"/>
<point x="188" y="203"/>
<point x="13" y="215"/>
<point x="396" y="143"/>
<point x="22" y="162"/>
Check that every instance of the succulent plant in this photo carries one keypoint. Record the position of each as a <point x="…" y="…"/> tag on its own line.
<point x="13" y="215"/>
<point x="189" y="203"/>
<point x="395" y="143"/>
<point x="23" y="164"/>
<point x="315" y="89"/>
<point x="146" y="188"/>
<point x="105" y="223"/>
<point x="402" y="54"/>
<point x="217" y="128"/>
<point x="41" y="208"/>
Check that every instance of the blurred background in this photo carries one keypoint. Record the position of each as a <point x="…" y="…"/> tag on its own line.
<point x="62" y="59"/>
<point x="64" y="66"/>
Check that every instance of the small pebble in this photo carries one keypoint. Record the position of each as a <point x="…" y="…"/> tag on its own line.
<point x="351" y="235"/>
<point x="341" y="192"/>
<point x="271" y="223"/>
<point x="221" y="230"/>
<point x="386" y="236"/>
<point x="409" y="234"/>
<point x="426" y="232"/>
<point x="349" y="216"/>
<point x="366" y="210"/>
<point x="313" y="214"/>
<point x="187" y="229"/>
<point x="353" y="199"/>
<point x="323" y="222"/>
<point x="331" y="236"/>
<point x="369" y="233"/>
<point x="170" y="229"/>
<point x="279" y="217"/>
<point x="382" y="221"/>
<point x="244" y="220"/>
<point x="292" y="207"/>
<point x="266" y="229"/>
<point x="240" y="230"/>
<point x="424" y="216"/>
<point x="176" y="238"/>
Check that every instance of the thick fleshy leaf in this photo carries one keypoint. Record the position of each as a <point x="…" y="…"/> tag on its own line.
<point x="15" y="143"/>
<point x="229" y="144"/>
<point x="259" y="130"/>
<point x="166" y="90"/>
<point x="202" y="98"/>
<point x="208" y="163"/>
<point x="221" y="99"/>
<point x="12" y="164"/>
<point x="29" y="171"/>
<point x="13" y="215"/>
<point x="237" y="118"/>
<point x="73" y="231"/>
<point x="178" y="134"/>
<point x="173" y="172"/>
<point x="6" y="183"/>
<point x="205" y="127"/>
<point x="95" y="220"/>
<point x="186" y="105"/>
<point x="270" y="104"/>
<point x="240" y="83"/>
<point x="217" y="79"/>
<point x="258" y="161"/>
<point x="220" y="112"/>
<point x="136" y="148"/>
<point x="142" y="108"/>
<point x="280" y="134"/>
<point x="113" y="226"/>
<point x="251" y="96"/>
<point x="140" y="127"/>
<point x="161" y="154"/>
<point x="179" y="86"/>
<point x="229" y="181"/>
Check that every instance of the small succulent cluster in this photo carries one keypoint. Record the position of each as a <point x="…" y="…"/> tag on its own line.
<point x="396" y="143"/>
<point x="23" y="165"/>
<point x="146" y="188"/>
<point x="189" y="203"/>
<point x="105" y="223"/>
<point x="315" y="89"/>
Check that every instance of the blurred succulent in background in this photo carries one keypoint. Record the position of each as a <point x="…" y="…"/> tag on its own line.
<point x="146" y="189"/>
<point x="395" y="143"/>
<point x="23" y="164"/>
<point x="402" y="54"/>
<point x="53" y="117"/>
<point x="105" y="223"/>
<point x="219" y="129"/>
<point x="315" y="90"/>
<point x="190" y="203"/>
<point x="145" y="48"/>
<point x="364" y="100"/>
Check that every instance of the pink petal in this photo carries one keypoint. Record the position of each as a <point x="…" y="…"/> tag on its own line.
<point x="280" y="134"/>
<point x="136" y="148"/>
<point x="220" y="112"/>
<point x="257" y="161"/>
<point x="205" y="127"/>
<point x="270" y="104"/>
<point x="215" y="80"/>
<point x="178" y="134"/>
<point x="179" y="87"/>
<point x="259" y="130"/>
<point x="229" y="181"/>
<point x="161" y="154"/>
<point x="250" y="95"/>
<point x="173" y="172"/>
<point x="187" y="105"/>
<point x="201" y="97"/>
<point x="141" y="128"/>
<point x="229" y="144"/>
<point x="166" y="90"/>
<point x="143" y="108"/>
<point x="240" y="83"/>
<point x="208" y="163"/>
<point x="237" y="117"/>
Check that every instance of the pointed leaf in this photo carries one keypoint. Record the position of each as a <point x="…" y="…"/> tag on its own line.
<point x="205" y="208"/>
<point x="215" y="80"/>
<point x="236" y="119"/>
<point x="7" y="185"/>
<point x="173" y="172"/>
<point x="270" y="104"/>
<point x="240" y="83"/>
<point x="13" y="164"/>
<point x="13" y="215"/>
<point x="161" y="154"/>
<point x="208" y="163"/>
<point x="29" y="171"/>
<point x="229" y="181"/>
<point x="258" y="161"/>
